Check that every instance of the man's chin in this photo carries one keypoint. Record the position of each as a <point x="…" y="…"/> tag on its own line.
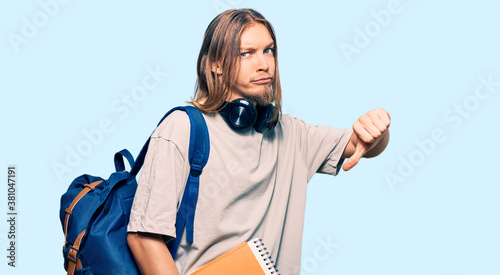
<point x="262" y="99"/>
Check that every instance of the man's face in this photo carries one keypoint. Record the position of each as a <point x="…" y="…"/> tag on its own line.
<point x="256" y="72"/>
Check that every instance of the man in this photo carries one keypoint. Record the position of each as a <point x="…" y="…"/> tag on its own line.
<point x="255" y="182"/>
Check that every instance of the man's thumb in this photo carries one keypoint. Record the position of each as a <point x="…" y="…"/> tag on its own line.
<point x="354" y="159"/>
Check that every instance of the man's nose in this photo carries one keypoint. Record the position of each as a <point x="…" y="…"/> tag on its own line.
<point x="263" y="64"/>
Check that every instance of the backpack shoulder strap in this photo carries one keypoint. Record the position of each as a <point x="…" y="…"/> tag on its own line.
<point x="199" y="142"/>
<point x="199" y="151"/>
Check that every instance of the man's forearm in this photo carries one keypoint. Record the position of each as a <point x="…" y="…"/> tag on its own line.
<point x="151" y="254"/>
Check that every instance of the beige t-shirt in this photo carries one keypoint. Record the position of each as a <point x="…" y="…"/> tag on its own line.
<point x="254" y="185"/>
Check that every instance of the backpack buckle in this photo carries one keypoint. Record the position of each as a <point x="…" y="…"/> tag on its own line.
<point x="73" y="253"/>
<point x="196" y="168"/>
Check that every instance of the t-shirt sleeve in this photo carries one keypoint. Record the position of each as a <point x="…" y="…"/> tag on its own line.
<point x="321" y="147"/>
<point x="162" y="180"/>
<point x="333" y="161"/>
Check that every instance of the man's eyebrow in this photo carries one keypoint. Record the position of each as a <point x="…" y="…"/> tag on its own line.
<point x="253" y="48"/>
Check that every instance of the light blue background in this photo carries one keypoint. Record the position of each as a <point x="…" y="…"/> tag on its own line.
<point x="440" y="219"/>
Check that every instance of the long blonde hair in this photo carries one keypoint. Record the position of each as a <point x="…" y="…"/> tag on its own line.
<point x="221" y="45"/>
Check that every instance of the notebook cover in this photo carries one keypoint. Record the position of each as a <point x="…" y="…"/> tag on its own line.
<point x="239" y="260"/>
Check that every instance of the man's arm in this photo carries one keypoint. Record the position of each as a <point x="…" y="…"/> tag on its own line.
<point x="151" y="254"/>
<point x="369" y="138"/>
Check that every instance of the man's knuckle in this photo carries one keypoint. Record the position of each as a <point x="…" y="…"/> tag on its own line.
<point x="366" y="139"/>
<point x="364" y="119"/>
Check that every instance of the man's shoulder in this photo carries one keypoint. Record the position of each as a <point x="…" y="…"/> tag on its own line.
<point x="175" y="124"/>
<point x="289" y="122"/>
<point x="296" y="126"/>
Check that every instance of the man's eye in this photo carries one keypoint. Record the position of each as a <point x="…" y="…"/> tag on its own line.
<point x="270" y="50"/>
<point x="244" y="54"/>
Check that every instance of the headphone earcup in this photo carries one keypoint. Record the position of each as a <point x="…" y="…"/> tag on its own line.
<point x="239" y="114"/>
<point x="264" y="122"/>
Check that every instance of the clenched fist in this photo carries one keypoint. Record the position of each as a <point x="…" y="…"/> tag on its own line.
<point x="370" y="130"/>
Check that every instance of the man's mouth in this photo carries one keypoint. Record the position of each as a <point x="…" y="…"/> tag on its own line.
<point x="263" y="80"/>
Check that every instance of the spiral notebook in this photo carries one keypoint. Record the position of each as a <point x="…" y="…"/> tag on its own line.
<point x="247" y="258"/>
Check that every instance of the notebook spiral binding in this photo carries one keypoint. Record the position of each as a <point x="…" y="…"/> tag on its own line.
<point x="266" y="257"/>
